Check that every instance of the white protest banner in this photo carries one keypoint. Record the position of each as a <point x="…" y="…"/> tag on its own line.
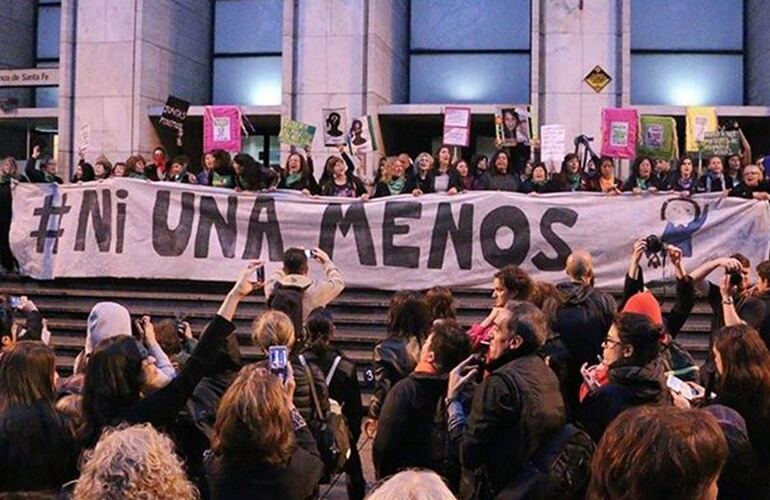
<point x="133" y="228"/>
<point x="457" y="126"/>
<point x="553" y="140"/>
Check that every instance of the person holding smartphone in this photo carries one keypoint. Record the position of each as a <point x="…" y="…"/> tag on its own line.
<point x="294" y="276"/>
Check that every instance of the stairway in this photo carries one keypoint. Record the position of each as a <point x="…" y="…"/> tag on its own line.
<point x="360" y="315"/>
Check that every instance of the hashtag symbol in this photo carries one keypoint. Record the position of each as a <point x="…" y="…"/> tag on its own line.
<point x="45" y="213"/>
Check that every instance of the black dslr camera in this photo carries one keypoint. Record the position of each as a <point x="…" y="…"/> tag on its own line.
<point x="654" y="244"/>
<point x="736" y="277"/>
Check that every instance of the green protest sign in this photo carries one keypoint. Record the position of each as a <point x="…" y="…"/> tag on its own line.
<point x="721" y="143"/>
<point x="296" y="133"/>
<point x="658" y="137"/>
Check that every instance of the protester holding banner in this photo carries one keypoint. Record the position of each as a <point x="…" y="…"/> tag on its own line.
<point x="465" y="180"/>
<point x="177" y="172"/>
<point x="84" y="172"/>
<point x="753" y="185"/>
<point x="571" y="178"/>
<point x="136" y="167"/>
<point x="714" y="180"/>
<point x="207" y="169"/>
<point x="663" y="174"/>
<point x="157" y="171"/>
<point x="641" y="178"/>
<point x="433" y="176"/>
<point x="498" y="177"/>
<point x="392" y="181"/>
<point x="48" y="172"/>
<point x="223" y="174"/>
<point x="252" y="175"/>
<point x="421" y="181"/>
<point x="102" y="168"/>
<point x="298" y="174"/>
<point x="605" y="181"/>
<point x="340" y="181"/>
<point x="119" y="169"/>
<point x="684" y="180"/>
<point x="478" y="166"/>
<point x="538" y="182"/>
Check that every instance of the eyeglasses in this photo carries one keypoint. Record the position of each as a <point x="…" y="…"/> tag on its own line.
<point x="608" y="341"/>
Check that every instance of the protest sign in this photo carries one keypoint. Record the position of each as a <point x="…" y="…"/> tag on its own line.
<point x="335" y="123"/>
<point x="174" y="115"/>
<point x="513" y="126"/>
<point x="195" y="232"/>
<point x="658" y="138"/>
<point x="699" y="120"/>
<point x="222" y="128"/>
<point x="552" y="143"/>
<point x="619" y="132"/>
<point x="721" y="143"/>
<point x="363" y="135"/>
<point x="296" y="133"/>
<point x="84" y="138"/>
<point x="457" y="126"/>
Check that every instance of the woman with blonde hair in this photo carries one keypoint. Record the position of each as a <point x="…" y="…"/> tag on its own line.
<point x="262" y="447"/>
<point x="392" y="181"/>
<point x="134" y="462"/>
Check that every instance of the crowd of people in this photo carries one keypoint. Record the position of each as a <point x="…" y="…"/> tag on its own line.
<point x="559" y="392"/>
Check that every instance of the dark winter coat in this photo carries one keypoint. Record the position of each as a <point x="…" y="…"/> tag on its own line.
<point x="392" y="362"/>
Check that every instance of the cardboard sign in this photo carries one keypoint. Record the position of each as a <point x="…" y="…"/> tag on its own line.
<point x="174" y="115"/>
<point x="84" y="138"/>
<point x="553" y="141"/>
<point x="296" y="133"/>
<point x="362" y="135"/>
<point x="658" y="137"/>
<point x="619" y="132"/>
<point x="457" y="126"/>
<point x="221" y="128"/>
<point x="699" y="120"/>
<point x="513" y="126"/>
<point x="335" y="122"/>
<point x="721" y="143"/>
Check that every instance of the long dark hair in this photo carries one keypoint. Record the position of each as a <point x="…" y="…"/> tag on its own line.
<point x="112" y="385"/>
<point x="320" y="329"/>
<point x="26" y="374"/>
<point x="222" y="163"/>
<point x="440" y="303"/>
<point x="492" y="168"/>
<point x="408" y="316"/>
<point x="745" y="378"/>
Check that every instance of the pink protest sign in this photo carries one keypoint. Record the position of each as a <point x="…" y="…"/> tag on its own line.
<point x="222" y="128"/>
<point x="619" y="132"/>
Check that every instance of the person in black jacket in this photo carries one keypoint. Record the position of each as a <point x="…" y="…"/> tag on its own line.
<point x="582" y="320"/>
<point x="38" y="449"/>
<point x="641" y="178"/>
<point x="516" y="408"/>
<point x="434" y="176"/>
<point x="338" y="179"/>
<point x="498" y="176"/>
<point x="392" y="179"/>
<point x="411" y="431"/>
<point x="715" y="180"/>
<point x="118" y="374"/>
<point x="298" y="174"/>
<point x="49" y="169"/>
<point x="342" y="378"/>
<point x="262" y="447"/>
<point x="631" y="351"/>
<point x="754" y="186"/>
<point x="396" y="356"/>
<point x="252" y="175"/>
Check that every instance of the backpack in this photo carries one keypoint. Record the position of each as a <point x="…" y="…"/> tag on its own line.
<point x="559" y="469"/>
<point x="288" y="300"/>
<point x="332" y="437"/>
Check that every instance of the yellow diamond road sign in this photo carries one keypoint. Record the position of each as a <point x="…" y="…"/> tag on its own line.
<point x="597" y="79"/>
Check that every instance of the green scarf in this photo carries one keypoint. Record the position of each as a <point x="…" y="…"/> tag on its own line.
<point x="222" y="180"/>
<point x="395" y="186"/>
<point x="574" y="180"/>
<point x="5" y="179"/>
<point x="136" y="175"/>
<point x="641" y="184"/>
<point x="292" y="179"/>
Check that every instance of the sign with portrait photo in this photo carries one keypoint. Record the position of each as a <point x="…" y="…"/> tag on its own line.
<point x="513" y="126"/>
<point x="362" y="135"/>
<point x="221" y="128"/>
<point x="335" y="122"/>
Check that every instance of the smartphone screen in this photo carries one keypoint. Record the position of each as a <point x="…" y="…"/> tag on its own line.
<point x="278" y="358"/>
<point x="260" y="274"/>
<point x="308" y="253"/>
<point x="14" y="301"/>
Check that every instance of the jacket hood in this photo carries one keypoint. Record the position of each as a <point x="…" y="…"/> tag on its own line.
<point x="296" y="280"/>
<point x="575" y="293"/>
<point x="646" y="383"/>
<point x="106" y="320"/>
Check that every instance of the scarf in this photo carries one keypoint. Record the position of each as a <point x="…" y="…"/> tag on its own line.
<point x="222" y="180"/>
<point x="607" y="185"/>
<point x="641" y="184"/>
<point x="395" y="186"/>
<point x="686" y="185"/>
<point x="292" y="179"/>
<point x="5" y="179"/>
<point x="712" y="178"/>
<point x="574" y="181"/>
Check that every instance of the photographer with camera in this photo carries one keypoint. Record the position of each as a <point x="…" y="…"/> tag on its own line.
<point x="294" y="276"/>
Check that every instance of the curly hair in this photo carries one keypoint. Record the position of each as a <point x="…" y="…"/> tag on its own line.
<point x="253" y="421"/>
<point x="134" y="462"/>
